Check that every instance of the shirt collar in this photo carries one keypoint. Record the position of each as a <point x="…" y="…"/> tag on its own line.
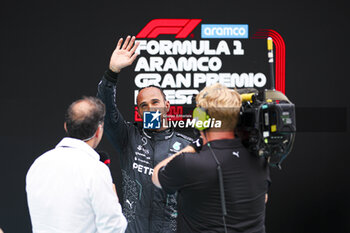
<point x="158" y="135"/>
<point x="78" y="144"/>
<point x="224" y="143"/>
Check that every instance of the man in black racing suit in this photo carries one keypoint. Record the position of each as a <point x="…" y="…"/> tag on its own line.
<point x="147" y="208"/>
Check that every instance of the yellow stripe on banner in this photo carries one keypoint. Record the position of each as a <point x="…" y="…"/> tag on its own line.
<point x="269" y="44"/>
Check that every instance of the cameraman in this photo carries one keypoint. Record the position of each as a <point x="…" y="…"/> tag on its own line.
<point x="193" y="173"/>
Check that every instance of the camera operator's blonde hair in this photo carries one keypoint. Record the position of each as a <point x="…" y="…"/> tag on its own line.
<point x="221" y="103"/>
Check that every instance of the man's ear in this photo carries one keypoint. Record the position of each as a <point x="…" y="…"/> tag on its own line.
<point x="167" y="106"/>
<point x="138" y="111"/>
<point x="99" y="130"/>
<point x="65" y="127"/>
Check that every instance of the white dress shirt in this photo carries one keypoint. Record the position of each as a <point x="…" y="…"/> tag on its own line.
<point x="69" y="190"/>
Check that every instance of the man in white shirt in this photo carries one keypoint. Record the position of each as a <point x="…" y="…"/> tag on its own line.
<point x="68" y="189"/>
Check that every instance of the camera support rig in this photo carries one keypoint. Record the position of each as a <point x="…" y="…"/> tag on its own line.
<point x="267" y="120"/>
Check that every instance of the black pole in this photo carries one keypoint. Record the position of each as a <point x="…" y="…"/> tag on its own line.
<point x="271" y="62"/>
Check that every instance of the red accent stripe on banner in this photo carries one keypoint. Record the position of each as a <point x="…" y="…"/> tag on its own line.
<point x="179" y="27"/>
<point x="280" y="58"/>
<point x="164" y="30"/>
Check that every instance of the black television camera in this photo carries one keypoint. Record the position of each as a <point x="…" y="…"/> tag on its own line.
<point x="267" y="124"/>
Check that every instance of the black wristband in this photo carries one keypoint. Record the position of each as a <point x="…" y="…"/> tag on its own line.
<point x="111" y="76"/>
<point x="197" y="144"/>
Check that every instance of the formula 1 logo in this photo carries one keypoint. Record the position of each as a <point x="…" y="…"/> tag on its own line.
<point x="151" y="120"/>
<point x="183" y="27"/>
<point x="179" y="27"/>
